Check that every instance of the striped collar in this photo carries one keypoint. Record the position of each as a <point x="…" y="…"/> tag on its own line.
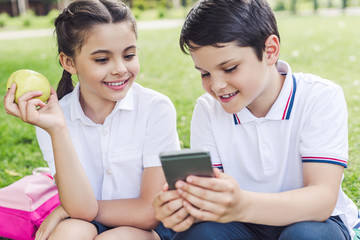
<point x="283" y="106"/>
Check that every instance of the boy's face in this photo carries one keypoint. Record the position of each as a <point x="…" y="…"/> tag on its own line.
<point x="233" y="75"/>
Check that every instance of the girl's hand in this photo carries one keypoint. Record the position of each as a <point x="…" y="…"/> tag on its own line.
<point x="34" y="111"/>
<point x="212" y="199"/>
<point x="170" y="211"/>
<point x="50" y="222"/>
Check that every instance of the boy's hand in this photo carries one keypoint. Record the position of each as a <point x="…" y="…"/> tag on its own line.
<point x="212" y="199"/>
<point x="170" y="211"/>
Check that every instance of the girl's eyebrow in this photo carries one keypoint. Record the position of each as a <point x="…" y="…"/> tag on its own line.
<point x="129" y="47"/>
<point x="100" y="51"/>
<point x="107" y="51"/>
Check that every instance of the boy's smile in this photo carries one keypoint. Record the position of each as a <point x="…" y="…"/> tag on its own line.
<point x="236" y="78"/>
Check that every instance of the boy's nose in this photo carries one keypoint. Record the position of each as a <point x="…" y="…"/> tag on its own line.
<point x="217" y="85"/>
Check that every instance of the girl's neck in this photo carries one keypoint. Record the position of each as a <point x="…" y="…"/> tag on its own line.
<point x="97" y="111"/>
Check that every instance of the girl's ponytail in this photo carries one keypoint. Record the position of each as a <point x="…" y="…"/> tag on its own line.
<point x="65" y="85"/>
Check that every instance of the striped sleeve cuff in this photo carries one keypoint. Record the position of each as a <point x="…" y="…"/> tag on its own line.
<point x="325" y="160"/>
<point x="219" y="166"/>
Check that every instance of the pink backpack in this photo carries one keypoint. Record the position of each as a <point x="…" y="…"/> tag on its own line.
<point x="25" y="204"/>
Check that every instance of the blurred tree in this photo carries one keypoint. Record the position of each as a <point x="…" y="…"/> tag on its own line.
<point x="316" y="6"/>
<point x="344" y="4"/>
<point x="22" y="6"/>
<point x="293" y="6"/>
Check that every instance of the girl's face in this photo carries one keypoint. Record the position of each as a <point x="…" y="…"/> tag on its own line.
<point x="233" y="75"/>
<point x="107" y="63"/>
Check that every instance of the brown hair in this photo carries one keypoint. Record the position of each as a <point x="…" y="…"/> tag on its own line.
<point x="76" y="21"/>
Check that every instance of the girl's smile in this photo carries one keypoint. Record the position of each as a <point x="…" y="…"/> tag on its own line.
<point x="117" y="85"/>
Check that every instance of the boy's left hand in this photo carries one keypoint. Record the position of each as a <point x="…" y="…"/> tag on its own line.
<point x="216" y="199"/>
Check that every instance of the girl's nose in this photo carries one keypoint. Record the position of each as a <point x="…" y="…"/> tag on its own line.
<point x="119" y="68"/>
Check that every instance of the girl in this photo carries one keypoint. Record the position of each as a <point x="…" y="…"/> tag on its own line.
<point x="103" y="138"/>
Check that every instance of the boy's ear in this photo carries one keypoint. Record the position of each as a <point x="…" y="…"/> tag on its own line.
<point x="67" y="63"/>
<point x="272" y="49"/>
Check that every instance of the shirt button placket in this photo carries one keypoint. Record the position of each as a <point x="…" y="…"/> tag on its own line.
<point x="104" y="141"/>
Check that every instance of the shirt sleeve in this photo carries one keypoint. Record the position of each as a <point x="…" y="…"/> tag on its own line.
<point x="324" y="137"/>
<point x="45" y="145"/>
<point x="201" y="133"/>
<point x="161" y="132"/>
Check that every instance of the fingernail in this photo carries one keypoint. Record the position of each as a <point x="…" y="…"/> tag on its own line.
<point x="179" y="184"/>
<point x="189" y="179"/>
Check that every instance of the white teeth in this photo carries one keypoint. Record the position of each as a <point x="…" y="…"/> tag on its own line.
<point x="115" y="84"/>
<point x="228" y="95"/>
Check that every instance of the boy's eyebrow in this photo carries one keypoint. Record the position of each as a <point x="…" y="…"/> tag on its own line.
<point x="219" y="65"/>
<point x="224" y="62"/>
<point x="107" y="51"/>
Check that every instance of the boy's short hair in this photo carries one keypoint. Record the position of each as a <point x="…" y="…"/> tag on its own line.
<point x="248" y="22"/>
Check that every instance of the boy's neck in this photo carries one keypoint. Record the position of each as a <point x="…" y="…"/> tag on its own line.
<point x="262" y="105"/>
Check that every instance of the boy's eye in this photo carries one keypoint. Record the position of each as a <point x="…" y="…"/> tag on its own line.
<point x="229" y="70"/>
<point x="101" y="60"/>
<point x="203" y="75"/>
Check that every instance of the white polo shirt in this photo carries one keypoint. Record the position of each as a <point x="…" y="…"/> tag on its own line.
<point x="307" y="123"/>
<point x="115" y="153"/>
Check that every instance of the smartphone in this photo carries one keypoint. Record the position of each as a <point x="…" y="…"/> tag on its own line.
<point x="179" y="164"/>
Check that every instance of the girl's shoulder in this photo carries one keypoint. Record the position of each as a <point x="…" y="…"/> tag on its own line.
<point x="149" y="95"/>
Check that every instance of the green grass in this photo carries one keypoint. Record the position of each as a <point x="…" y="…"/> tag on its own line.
<point x="323" y="46"/>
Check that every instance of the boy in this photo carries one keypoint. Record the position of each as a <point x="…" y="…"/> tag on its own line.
<point x="280" y="138"/>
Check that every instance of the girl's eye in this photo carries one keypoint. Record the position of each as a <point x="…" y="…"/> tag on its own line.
<point x="101" y="60"/>
<point x="229" y="70"/>
<point x="129" y="56"/>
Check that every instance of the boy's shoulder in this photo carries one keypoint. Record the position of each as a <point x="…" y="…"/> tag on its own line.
<point x="309" y="83"/>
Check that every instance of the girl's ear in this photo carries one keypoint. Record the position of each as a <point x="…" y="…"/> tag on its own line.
<point x="272" y="49"/>
<point x="67" y="63"/>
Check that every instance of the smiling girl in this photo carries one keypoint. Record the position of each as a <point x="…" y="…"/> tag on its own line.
<point x="103" y="137"/>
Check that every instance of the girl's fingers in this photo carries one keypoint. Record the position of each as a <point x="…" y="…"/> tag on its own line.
<point x="10" y="106"/>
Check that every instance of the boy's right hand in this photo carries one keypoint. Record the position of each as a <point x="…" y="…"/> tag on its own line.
<point x="170" y="211"/>
<point x="48" y="117"/>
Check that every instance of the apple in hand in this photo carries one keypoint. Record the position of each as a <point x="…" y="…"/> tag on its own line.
<point x="28" y="80"/>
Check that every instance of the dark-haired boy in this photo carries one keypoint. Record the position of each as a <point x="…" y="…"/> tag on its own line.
<point x="280" y="137"/>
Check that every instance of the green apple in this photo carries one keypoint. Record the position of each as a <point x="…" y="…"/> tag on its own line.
<point x="28" y="80"/>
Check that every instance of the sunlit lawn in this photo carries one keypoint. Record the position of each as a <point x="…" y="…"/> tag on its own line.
<point x="323" y="46"/>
